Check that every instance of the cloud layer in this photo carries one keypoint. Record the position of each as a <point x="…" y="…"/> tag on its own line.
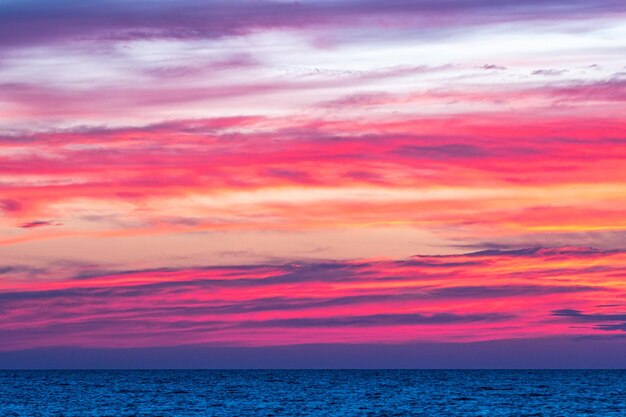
<point x="479" y="296"/>
<point x="255" y="173"/>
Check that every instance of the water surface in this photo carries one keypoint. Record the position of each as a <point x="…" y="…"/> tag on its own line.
<point x="313" y="393"/>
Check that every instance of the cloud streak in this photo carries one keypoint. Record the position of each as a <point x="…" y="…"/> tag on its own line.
<point x="113" y="20"/>
<point x="477" y="296"/>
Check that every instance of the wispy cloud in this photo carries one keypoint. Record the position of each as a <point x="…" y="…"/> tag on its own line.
<point x="153" y="19"/>
<point x="457" y="297"/>
<point x="251" y="173"/>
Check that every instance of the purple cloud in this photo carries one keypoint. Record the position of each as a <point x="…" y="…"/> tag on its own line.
<point x="39" y="223"/>
<point x="10" y="205"/>
<point x="37" y="21"/>
<point x="549" y="72"/>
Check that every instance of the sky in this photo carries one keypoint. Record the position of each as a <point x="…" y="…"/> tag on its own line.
<point x="347" y="183"/>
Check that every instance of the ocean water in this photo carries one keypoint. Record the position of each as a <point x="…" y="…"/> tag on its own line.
<point x="313" y="393"/>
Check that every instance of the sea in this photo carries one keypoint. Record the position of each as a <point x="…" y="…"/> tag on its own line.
<point x="236" y="393"/>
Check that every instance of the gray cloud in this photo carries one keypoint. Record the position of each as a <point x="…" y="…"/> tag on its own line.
<point x="447" y="151"/>
<point x="599" y="319"/>
<point x="380" y="320"/>
<point x="580" y="316"/>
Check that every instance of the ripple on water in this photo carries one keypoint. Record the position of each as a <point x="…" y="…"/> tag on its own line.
<point x="312" y="393"/>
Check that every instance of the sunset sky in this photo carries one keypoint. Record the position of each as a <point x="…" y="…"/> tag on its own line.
<point x="259" y="174"/>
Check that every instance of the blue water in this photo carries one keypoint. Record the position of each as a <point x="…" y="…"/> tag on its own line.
<point x="312" y="393"/>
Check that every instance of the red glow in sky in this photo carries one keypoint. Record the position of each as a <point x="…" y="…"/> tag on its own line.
<point x="271" y="173"/>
